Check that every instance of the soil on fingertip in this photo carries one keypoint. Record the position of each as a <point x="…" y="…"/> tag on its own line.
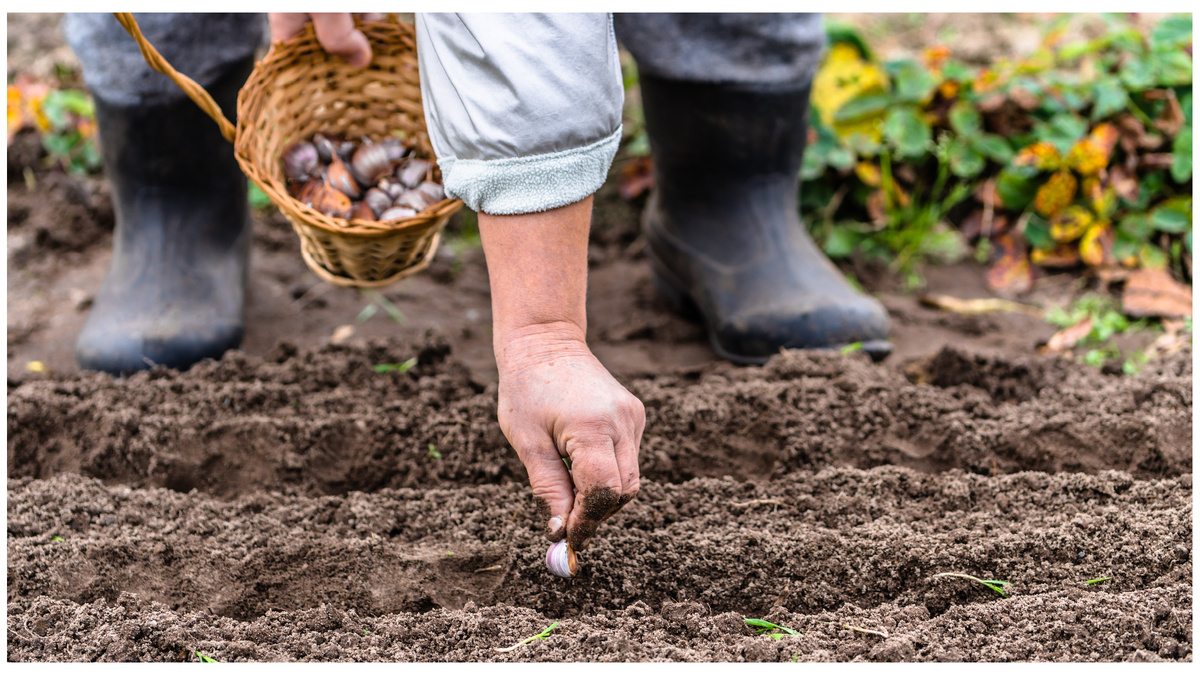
<point x="291" y="503"/>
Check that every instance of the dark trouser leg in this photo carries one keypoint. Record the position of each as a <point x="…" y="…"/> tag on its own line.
<point x="174" y="293"/>
<point x="726" y="110"/>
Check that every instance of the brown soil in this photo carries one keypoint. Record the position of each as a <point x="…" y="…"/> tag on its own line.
<point x="283" y="503"/>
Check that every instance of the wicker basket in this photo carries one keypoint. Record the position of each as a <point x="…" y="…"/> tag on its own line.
<point x="299" y="89"/>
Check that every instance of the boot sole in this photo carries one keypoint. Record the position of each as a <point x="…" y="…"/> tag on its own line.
<point x="681" y="302"/>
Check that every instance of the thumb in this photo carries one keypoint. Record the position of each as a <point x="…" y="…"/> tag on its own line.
<point x="552" y="487"/>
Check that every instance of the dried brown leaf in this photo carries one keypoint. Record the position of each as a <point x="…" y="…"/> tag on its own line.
<point x="1153" y="292"/>
<point x="1067" y="337"/>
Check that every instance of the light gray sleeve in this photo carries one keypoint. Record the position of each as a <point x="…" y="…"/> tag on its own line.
<point x="523" y="110"/>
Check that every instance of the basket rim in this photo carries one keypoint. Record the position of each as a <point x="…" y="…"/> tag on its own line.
<point x="294" y="208"/>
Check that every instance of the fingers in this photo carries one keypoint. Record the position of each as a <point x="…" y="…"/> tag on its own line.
<point x="285" y="25"/>
<point x="337" y="34"/>
<point x="598" y="478"/>
<point x="551" y="483"/>
<point x="626" y="448"/>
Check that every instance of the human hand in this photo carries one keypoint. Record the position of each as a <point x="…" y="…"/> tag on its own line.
<point x="556" y="400"/>
<point x="335" y="32"/>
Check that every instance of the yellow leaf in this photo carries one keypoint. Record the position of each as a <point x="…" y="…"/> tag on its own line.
<point x="1056" y="194"/>
<point x="845" y="75"/>
<point x="1096" y="245"/>
<point x="868" y="173"/>
<point x="1087" y="157"/>
<point x="1070" y="224"/>
<point x="1042" y="155"/>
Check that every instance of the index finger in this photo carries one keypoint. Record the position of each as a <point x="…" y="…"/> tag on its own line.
<point x="337" y="34"/>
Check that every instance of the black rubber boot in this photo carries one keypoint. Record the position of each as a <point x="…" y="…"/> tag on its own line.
<point x="723" y="224"/>
<point x="175" y="290"/>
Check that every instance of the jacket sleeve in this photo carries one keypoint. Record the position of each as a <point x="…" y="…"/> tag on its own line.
<point x="523" y="110"/>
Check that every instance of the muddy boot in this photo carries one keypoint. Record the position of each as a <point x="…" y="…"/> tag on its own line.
<point x="174" y="293"/>
<point x="723" y="224"/>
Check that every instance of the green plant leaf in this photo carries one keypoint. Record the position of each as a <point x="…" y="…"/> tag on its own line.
<point x="993" y="147"/>
<point x="258" y="199"/>
<point x="1037" y="232"/>
<point x="1017" y="186"/>
<point x="837" y="31"/>
<point x="1185" y="102"/>
<point x="861" y="107"/>
<point x="1110" y="98"/>
<point x="812" y="166"/>
<point x="1138" y="74"/>
<point x="842" y="242"/>
<point x="908" y="132"/>
<point x="1171" y="33"/>
<point x="395" y="367"/>
<point x="1136" y="226"/>
<point x="965" y="119"/>
<point x="913" y="82"/>
<point x="1181" y="151"/>
<point x="862" y="144"/>
<point x="840" y="158"/>
<point x="1173" y="216"/>
<point x="1174" y="68"/>
<point x="1062" y="131"/>
<point x="964" y="161"/>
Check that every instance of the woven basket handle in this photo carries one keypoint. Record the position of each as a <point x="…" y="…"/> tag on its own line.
<point x="187" y="84"/>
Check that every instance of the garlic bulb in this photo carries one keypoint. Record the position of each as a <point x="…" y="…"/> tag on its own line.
<point x="561" y="561"/>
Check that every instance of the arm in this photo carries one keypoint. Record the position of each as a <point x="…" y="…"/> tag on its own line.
<point x="556" y="399"/>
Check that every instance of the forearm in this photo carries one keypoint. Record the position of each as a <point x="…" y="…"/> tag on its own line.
<point x="537" y="264"/>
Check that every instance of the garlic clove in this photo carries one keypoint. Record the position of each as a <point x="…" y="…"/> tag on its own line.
<point x="331" y="202"/>
<point x="324" y="148"/>
<point x="369" y="164"/>
<point x="561" y="560"/>
<point x="300" y="161"/>
<point x="338" y="176"/>
<point x="378" y="200"/>
<point x="391" y="187"/>
<point x="432" y="190"/>
<point x="397" y="212"/>
<point x="415" y="199"/>
<point x="362" y="211"/>
<point x="412" y="172"/>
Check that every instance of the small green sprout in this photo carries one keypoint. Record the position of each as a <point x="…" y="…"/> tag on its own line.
<point x="377" y="300"/>
<point x="567" y="461"/>
<point x="395" y="367"/>
<point x="852" y="347"/>
<point x="433" y="452"/>
<point x="990" y="583"/>
<point x="366" y="632"/>
<point x="771" y="629"/>
<point x="1096" y="581"/>
<point x="540" y="636"/>
<point x="56" y="538"/>
<point x="206" y="659"/>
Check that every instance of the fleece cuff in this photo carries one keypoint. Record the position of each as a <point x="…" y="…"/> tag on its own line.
<point x="516" y="185"/>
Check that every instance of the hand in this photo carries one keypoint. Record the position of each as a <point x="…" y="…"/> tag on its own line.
<point x="335" y="32"/>
<point x="556" y="400"/>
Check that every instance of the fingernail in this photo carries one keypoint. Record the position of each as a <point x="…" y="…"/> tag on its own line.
<point x="555" y="523"/>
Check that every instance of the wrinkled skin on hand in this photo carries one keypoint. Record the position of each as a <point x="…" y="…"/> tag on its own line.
<point x="556" y="400"/>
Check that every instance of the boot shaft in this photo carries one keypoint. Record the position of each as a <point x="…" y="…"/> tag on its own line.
<point x="171" y="145"/>
<point x="707" y="136"/>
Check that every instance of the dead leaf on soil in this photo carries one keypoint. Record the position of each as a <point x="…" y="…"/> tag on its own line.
<point x="1155" y="161"/>
<point x="341" y="334"/>
<point x="1056" y="193"/>
<point x="1063" y="255"/>
<point x="1170" y="342"/>
<point x="1067" y="337"/>
<point x="1012" y="273"/>
<point x="637" y="176"/>
<point x="1171" y="120"/>
<point x="977" y="305"/>
<point x="1152" y="292"/>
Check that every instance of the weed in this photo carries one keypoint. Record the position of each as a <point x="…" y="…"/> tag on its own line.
<point x="852" y="347"/>
<point x="772" y="630"/>
<point x="57" y="538"/>
<point x="540" y="636"/>
<point x="993" y="584"/>
<point x="377" y="302"/>
<point x="433" y="452"/>
<point x="1106" y="322"/>
<point x="206" y="659"/>
<point x="395" y="367"/>
<point x="1089" y="582"/>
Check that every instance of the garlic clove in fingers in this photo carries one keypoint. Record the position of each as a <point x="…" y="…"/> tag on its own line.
<point x="561" y="560"/>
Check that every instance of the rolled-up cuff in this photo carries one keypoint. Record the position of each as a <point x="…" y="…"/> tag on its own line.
<point x="514" y="185"/>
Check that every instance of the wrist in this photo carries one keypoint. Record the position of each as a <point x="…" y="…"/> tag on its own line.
<point x="530" y="344"/>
